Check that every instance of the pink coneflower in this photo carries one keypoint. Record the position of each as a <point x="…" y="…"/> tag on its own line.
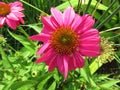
<point x="67" y="37"/>
<point x="11" y="14"/>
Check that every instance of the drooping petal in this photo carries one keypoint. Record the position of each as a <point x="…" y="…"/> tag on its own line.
<point x="57" y="15"/>
<point x="16" y="9"/>
<point x="18" y="14"/>
<point x="68" y="16"/>
<point x="53" y="63"/>
<point x="72" y="63"/>
<point x="12" y="17"/>
<point x="65" y="63"/>
<point x="13" y="24"/>
<point x="21" y="20"/>
<point x="41" y="37"/>
<point x="43" y="48"/>
<point x="60" y="63"/>
<point x="79" y="60"/>
<point x="46" y="56"/>
<point x="2" y="20"/>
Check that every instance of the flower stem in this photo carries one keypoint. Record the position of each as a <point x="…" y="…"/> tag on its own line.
<point x="32" y="6"/>
<point x="111" y="29"/>
<point x="108" y="18"/>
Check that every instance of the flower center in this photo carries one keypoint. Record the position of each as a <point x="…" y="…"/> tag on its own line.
<point x="4" y="9"/>
<point x="64" y="40"/>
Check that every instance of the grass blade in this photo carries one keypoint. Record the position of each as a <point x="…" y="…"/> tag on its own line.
<point x="87" y="7"/>
<point x="108" y="18"/>
<point x="105" y="13"/>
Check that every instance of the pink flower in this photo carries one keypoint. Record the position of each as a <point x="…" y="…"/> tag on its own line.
<point x="67" y="37"/>
<point x="11" y="14"/>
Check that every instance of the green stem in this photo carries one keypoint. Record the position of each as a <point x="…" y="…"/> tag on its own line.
<point x="70" y="3"/>
<point x="11" y="47"/>
<point x="23" y="32"/>
<point x="108" y="18"/>
<point x="111" y="29"/>
<point x="87" y="7"/>
<point x="96" y="6"/>
<point x="32" y="6"/>
<point x="105" y="13"/>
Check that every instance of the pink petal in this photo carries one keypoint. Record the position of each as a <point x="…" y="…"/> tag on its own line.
<point x="21" y="20"/>
<point x="60" y="63"/>
<point x="43" y="48"/>
<point x="72" y="63"/>
<point x="76" y="22"/>
<point x="57" y="15"/>
<point x="52" y="64"/>
<point x="18" y="14"/>
<point x="86" y="24"/>
<point x="68" y="16"/>
<point x="91" y="47"/>
<point x="12" y="24"/>
<point x="41" y="37"/>
<point x="12" y="17"/>
<point x="89" y="33"/>
<point x="54" y="22"/>
<point x="47" y="22"/>
<point x="16" y="9"/>
<point x="2" y="3"/>
<point x="45" y="57"/>
<point x="79" y="60"/>
<point x="2" y="20"/>
<point x="90" y="41"/>
<point x="65" y="62"/>
<point x="16" y="4"/>
<point x="89" y="53"/>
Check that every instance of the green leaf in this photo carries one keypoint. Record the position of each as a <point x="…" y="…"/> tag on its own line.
<point x="24" y="41"/>
<point x="23" y="85"/>
<point x="36" y="27"/>
<point x="52" y="87"/>
<point x="75" y="3"/>
<point x="107" y="84"/>
<point x="43" y="80"/>
<point x="5" y="60"/>
<point x="85" y="73"/>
